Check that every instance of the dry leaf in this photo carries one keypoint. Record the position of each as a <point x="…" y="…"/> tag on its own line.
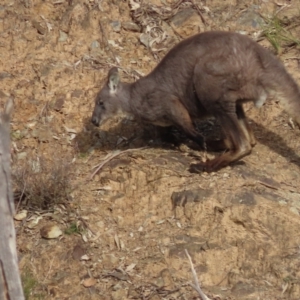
<point x="89" y="282"/>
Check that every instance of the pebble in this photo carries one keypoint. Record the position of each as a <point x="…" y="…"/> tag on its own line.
<point x="62" y="36"/>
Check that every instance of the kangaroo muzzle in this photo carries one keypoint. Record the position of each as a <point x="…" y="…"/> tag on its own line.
<point x="95" y="121"/>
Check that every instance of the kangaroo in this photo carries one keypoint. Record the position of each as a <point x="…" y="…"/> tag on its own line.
<point x="208" y="74"/>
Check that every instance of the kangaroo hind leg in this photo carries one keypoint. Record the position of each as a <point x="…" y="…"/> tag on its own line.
<point x="238" y="137"/>
<point x="245" y="124"/>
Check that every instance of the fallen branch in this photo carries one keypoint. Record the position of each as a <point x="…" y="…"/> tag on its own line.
<point x="196" y="286"/>
<point x="117" y="153"/>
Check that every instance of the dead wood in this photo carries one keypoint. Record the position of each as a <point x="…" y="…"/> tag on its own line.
<point x="10" y="282"/>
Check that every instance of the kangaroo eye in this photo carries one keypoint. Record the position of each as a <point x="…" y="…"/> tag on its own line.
<point x="101" y="103"/>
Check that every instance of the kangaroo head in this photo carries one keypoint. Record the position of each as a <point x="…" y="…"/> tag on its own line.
<point x="107" y="102"/>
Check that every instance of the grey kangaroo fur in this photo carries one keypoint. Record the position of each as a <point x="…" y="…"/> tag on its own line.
<point x="209" y="74"/>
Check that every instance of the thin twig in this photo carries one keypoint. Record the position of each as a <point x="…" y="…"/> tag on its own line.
<point x="196" y="286"/>
<point x="108" y="45"/>
<point x="199" y="12"/>
<point x="21" y="197"/>
<point x="100" y="166"/>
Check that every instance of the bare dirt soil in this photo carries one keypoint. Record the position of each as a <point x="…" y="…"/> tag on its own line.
<point x="125" y="231"/>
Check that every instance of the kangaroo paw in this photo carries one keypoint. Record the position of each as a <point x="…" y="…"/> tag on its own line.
<point x="208" y="166"/>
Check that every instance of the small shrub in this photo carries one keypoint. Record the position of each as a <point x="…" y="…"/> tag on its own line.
<point x="41" y="183"/>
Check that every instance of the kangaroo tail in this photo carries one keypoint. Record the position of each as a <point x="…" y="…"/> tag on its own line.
<point x="280" y="85"/>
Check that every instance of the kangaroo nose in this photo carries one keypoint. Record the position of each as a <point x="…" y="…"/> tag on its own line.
<point x="95" y="121"/>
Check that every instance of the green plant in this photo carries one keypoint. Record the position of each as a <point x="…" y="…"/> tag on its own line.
<point x="277" y="33"/>
<point x="73" y="228"/>
<point x="29" y="283"/>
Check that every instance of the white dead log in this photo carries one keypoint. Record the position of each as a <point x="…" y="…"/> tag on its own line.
<point x="10" y="282"/>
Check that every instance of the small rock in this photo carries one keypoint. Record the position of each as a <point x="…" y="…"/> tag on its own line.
<point x="95" y="45"/>
<point x="62" y="36"/>
<point x="116" y="26"/>
<point x="130" y="26"/>
<point x="89" y="282"/>
<point x="50" y="232"/>
<point x="21" y="215"/>
<point x="40" y="27"/>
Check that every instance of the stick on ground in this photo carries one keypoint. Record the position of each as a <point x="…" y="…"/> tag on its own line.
<point x="196" y="286"/>
<point x="117" y="153"/>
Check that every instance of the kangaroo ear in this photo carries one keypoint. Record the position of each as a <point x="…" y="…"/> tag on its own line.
<point x="113" y="79"/>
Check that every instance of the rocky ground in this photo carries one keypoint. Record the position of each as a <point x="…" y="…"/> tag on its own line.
<point x="122" y="233"/>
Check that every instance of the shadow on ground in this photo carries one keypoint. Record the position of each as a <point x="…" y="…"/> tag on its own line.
<point x="125" y="134"/>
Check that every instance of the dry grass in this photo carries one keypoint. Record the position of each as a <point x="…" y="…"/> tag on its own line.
<point x="278" y="33"/>
<point x="41" y="183"/>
